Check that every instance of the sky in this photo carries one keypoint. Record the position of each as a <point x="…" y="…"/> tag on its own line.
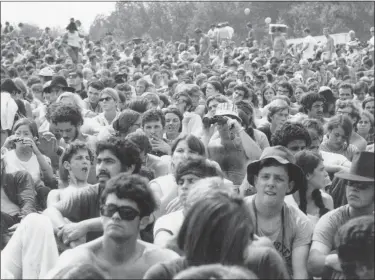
<point x="54" y="14"/>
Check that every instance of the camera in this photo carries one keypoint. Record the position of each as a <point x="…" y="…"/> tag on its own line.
<point x="207" y="121"/>
<point x="18" y="139"/>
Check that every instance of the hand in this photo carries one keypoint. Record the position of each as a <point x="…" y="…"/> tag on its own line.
<point x="334" y="262"/>
<point x="173" y="205"/>
<point x="48" y="144"/>
<point x="234" y="125"/>
<point x="9" y="140"/>
<point x="30" y="142"/>
<point x="78" y="242"/>
<point x="161" y="146"/>
<point x="13" y="228"/>
<point x="187" y="117"/>
<point x="71" y="232"/>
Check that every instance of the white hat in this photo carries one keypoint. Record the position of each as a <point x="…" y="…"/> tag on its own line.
<point x="46" y="72"/>
<point x="227" y="109"/>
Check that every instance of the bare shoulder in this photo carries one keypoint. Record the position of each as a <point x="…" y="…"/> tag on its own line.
<point x="155" y="253"/>
<point x="327" y="200"/>
<point x="69" y="258"/>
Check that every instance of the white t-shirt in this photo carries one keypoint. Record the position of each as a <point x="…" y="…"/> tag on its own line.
<point x="334" y="159"/>
<point x="14" y="164"/>
<point x="309" y="52"/>
<point x="170" y="223"/>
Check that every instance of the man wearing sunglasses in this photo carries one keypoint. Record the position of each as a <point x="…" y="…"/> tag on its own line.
<point x="323" y="259"/>
<point x="125" y="206"/>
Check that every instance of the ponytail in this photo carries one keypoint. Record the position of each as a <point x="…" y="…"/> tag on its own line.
<point x="308" y="161"/>
<point x="318" y="200"/>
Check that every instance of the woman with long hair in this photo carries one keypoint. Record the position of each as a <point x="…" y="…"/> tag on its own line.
<point x="216" y="229"/>
<point x="268" y="92"/>
<point x="312" y="200"/>
<point x="338" y="132"/>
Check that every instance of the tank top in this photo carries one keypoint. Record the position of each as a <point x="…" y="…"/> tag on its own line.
<point x="14" y="164"/>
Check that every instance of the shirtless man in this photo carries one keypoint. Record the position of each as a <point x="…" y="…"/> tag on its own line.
<point x="126" y="205"/>
<point x="328" y="47"/>
<point x="204" y="46"/>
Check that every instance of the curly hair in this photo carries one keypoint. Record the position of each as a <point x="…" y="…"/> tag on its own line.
<point x="315" y="125"/>
<point x="341" y="104"/>
<point x="72" y="149"/>
<point x="139" y="105"/>
<point x="153" y="115"/>
<point x="308" y="99"/>
<point x="355" y="244"/>
<point x="66" y="113"/>
<point x="140" y="140"/>
<point x="132" y="187"/>
<point x="127" y="152"/>
<point x="289" y="132"/>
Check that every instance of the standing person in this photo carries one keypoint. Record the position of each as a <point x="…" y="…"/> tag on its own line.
<point x="73" y="41"/>
<point x="250" y="35"/>
<point x="280" y="46"/>
<point x="323" y="259"/>
<point x="125" y="206"/>
<point x="275" y="175"/>
<point x="309" y="45"/>
<point x="328" y="46"/>
<point x="204" y="47"/>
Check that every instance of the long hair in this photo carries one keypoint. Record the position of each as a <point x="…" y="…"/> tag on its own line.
<point x="216" y="229"/>
<point x="193" y="142"/>
<point x="308" y="161"/>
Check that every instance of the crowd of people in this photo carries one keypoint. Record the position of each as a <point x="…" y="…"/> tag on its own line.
<point x="196" y="159"/>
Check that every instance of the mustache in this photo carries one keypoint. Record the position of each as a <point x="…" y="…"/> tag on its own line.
<point x="103" y="172"/>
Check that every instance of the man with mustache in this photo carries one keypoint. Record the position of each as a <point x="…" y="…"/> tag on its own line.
<point x="323" y="259"/>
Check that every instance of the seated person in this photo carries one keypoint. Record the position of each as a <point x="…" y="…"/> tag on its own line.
<point x="323" y="259"/>
<point x="231" y="147"/>
<point x="186" y="174"/>
<point x="355" y="248"/>
<point x="274" y="176"/>
<point x="22" y="151"/>
<point x="156" y="164"/>
<point x="18" y="199"/>
<point x="153" y="125"/>
<point x="278" y="113"/>
<point x="74" y="171"/>
<point x="125" y="206"/>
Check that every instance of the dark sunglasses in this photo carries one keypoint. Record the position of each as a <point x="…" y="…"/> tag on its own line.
<point x="126" y="213"/>
<point x="105" y="98"/>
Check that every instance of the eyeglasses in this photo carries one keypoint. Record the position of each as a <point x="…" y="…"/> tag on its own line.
<point x="105" y="99"/>
<point x="126" y="213"/>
